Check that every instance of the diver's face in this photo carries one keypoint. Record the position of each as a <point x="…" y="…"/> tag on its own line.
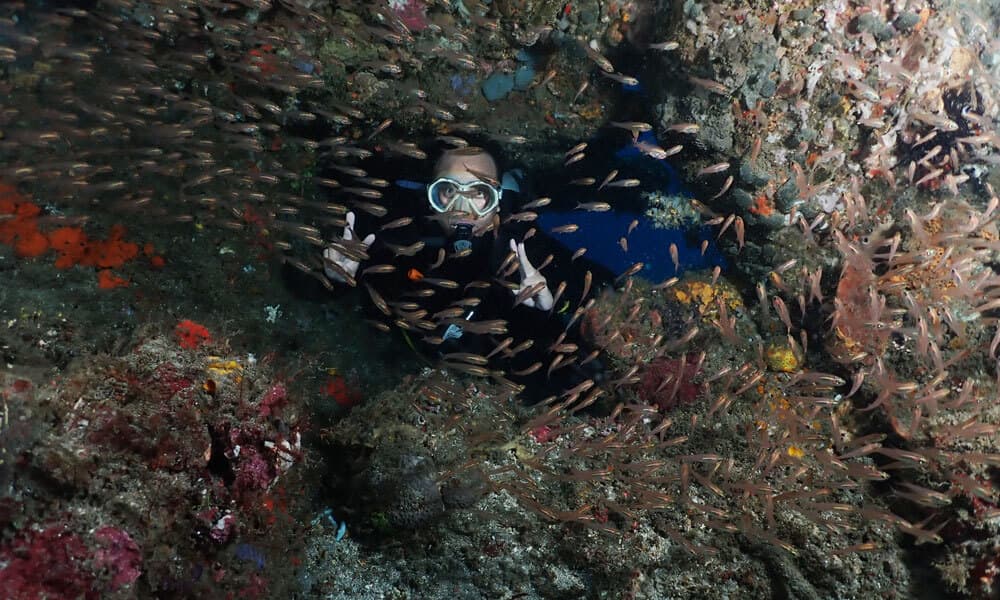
<point x="468" y="201"/>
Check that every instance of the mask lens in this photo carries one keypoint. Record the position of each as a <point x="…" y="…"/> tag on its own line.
<point x="482" y="198"/>
<point x="441" y="194"/>
<point x="477" y="197"/>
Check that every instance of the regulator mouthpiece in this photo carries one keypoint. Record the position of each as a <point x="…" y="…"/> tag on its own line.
<point x="463" y="237"/>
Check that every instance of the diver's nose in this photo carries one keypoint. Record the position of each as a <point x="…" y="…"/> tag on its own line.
<point x="463" y="204"/>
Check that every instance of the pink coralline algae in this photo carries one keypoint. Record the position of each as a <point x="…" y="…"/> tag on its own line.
<point x="119" y="555"/>
<point x="223" y="528"/>
<point x="667" y="382"/>
<point x="46" y="564"/>
<point x="167" y="381"/>
<point x="253" y="472"/>
<point x="220" y="527"/>
<point x="273" y="400"/>
<point x="544" y="434"/>
<point x="413" y="13"/>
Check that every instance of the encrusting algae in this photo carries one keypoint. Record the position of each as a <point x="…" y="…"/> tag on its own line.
<point x="704" y="295"/>
<point x="782" y="359"/>
<point x="19" y="228"/>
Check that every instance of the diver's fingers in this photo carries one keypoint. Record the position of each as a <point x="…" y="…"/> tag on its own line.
<point x="529" y="302"/>
<point x="522" y="257"/>
<point x="349" y="228"/>
<point x="334" y="256"/>
<point x="520" y="264"/>
<point x="368" y="240"/>
<point x="350" y="266"/>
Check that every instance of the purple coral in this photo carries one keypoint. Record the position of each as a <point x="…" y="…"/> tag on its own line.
<point x="668" y="382"/>
<point x="46" y="564"/>
<point x="253" y="472"/>
<point x="272" y="400"/>
<point x="223" y="528"/>
<point x="413" y="13"/>
<point x="119" y="554"/>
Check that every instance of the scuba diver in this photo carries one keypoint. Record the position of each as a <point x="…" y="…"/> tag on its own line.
<point x="462" y="277"/>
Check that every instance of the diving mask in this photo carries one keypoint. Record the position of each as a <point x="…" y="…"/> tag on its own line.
<point x="446" y="194"/>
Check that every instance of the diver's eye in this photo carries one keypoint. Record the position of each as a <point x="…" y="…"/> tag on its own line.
<point x="448" y="190"/>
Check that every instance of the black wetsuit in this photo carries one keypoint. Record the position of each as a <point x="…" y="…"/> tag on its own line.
<point x="496" y="301"/>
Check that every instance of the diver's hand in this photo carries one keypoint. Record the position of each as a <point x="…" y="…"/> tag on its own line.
<point x="531" y="279"/>
<point x="339" y="267"/>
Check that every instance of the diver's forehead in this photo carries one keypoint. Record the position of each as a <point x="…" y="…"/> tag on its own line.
<point x="459" y="175"/>
<point x="467" y="167"/>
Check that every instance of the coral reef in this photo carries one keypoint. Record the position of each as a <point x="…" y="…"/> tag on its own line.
<point x="670" y="212"/>
<point x="167" y="464"/>
<point x="818" y="421"/>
